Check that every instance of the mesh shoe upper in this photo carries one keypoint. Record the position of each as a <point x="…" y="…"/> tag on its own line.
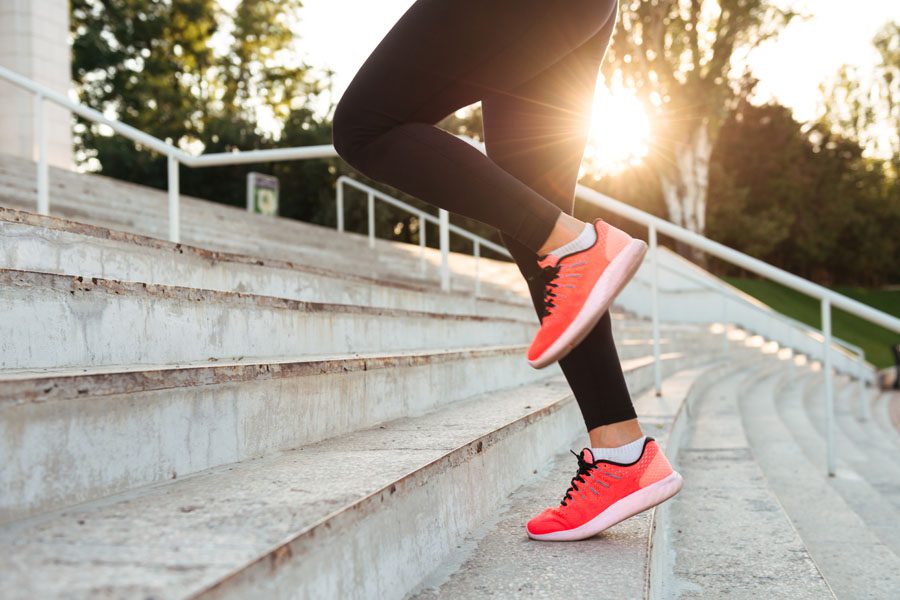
<point x="569" y="280"/>
<point x="596" y="486"/>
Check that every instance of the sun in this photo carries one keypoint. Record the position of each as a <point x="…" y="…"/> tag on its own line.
<point x="620" y="131"/>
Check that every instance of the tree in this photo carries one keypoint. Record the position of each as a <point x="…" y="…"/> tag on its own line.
<point x="141" y="59"/>
<point x="153" y="65"/>
<point x="681" y="57"/>
<point x="867" y="108"/>
<point x="803" y="198"/>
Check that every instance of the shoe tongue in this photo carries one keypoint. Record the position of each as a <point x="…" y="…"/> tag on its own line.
<point x="549" y="260"/>
<point x="587" y="456"/>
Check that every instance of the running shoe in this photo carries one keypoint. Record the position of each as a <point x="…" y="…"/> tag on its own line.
<point x="604" y="493"/>
<point x="580" y="287"/>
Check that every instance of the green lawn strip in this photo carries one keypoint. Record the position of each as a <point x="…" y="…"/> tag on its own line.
<point x="873" y="339"/>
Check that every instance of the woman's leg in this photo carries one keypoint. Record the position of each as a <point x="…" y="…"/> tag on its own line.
<point x="443" y="55"/>
<point x="537" y="132"/>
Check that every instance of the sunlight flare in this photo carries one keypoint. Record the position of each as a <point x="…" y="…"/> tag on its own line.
<point x="620" y="130"/>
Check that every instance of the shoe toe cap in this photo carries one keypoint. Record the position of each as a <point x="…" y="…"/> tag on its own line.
<point x="549" y="521"/>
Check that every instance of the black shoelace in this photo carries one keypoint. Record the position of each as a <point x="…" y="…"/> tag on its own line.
<point x="547" y="277"/>
<point x="584" y="468"/>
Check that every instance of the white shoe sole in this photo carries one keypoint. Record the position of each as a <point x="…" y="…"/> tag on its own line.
<point x="613" y="279"/>
<point x="632" y="504"/>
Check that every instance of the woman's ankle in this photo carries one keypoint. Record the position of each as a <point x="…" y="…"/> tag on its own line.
<point x="615" y="434"/>
<point x="567" y="228"/>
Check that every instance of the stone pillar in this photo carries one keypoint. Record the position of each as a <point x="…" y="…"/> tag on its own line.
<point x="34" y="42"/>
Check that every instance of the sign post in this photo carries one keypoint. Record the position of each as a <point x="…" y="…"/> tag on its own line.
<point x="262" y="194"/>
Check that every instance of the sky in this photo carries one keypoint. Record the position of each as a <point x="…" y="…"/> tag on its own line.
<point x="340" y="34"/>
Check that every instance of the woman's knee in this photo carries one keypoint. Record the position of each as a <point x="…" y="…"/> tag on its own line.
<point x="347" y="132"/>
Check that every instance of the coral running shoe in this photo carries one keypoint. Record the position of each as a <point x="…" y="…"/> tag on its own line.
<point x="604" y="493"/>
<point x="579" y="288"/>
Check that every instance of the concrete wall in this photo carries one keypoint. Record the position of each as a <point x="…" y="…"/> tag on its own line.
<point x="34" y="41"/>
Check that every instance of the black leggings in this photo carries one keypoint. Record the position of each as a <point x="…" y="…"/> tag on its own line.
<point x="533" y="64"/>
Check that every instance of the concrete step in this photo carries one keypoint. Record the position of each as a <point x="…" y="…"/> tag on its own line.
<point x="145" y="208"/>
<point x="55" y="321"/>
<point x="50" y="245"/>
<point x="858" y="419"/>
<point x="31" y="242"/>
<point x="385" y="504"/>
<point x="348" y="253"/>
<point x="852" y="558"/>
<point x="728" y="534"/>
<point x="886" y="414"/>
<point x="498" y="559"/>
<point x="872" y="449"/>
<point x="861" y="480"/>
<point x="137" y="209"/>
<point x="75" y="435"/>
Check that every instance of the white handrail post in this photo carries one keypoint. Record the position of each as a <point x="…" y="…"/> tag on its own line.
<point x="657" y="364"/>
<point x="829" y="382"/>
<point x="174" y="216"/>
<point x="792" y="367"/>
<point x="724" y="322"/>
<point x="476" y="250"/>
<point x="860" y="373"/>
<point x="40" y="139"/>
<point x="444" y="220"/>
<point x="370" y="204"/>
<point x="423" y="224"/>
<point x="339" y="204"/>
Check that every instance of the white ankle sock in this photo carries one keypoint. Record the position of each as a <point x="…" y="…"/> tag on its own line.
<point x="626" y="453"/>
<point x="585" y="240"/>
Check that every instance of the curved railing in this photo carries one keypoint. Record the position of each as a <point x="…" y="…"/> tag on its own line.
<point x="655" y="226"/>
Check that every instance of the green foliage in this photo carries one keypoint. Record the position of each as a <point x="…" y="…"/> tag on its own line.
<point x="807" y="201"/>
<point x="153" y="64"/>
<point x="141" y="59"/>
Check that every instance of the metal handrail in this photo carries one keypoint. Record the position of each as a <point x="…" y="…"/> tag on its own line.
<point x="442" y="220"/>
<point x="654" y="225"/>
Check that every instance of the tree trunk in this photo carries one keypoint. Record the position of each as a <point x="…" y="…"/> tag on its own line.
<point x="685" y="186"/>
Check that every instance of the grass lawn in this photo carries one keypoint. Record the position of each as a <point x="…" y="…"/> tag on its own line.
<point x="873" y="339"/>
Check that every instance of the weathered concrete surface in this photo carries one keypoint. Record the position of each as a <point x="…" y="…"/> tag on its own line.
<point x="94" y="322"/>
<point x="868" y="482"/>
<point x="499" y="560"/>
<point x="729" y="533"/>
<point x="289" y="518"/>
<point x="71" y="439"/>
<point x="176" y="539"/>
<point x="849" y="555"/>
<point x="30" y="242"/>
<point x="873" y="453"/>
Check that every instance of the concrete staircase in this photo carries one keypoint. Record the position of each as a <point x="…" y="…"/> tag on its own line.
<point x="273" y="409"/>
<point x="762" y="516"/>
